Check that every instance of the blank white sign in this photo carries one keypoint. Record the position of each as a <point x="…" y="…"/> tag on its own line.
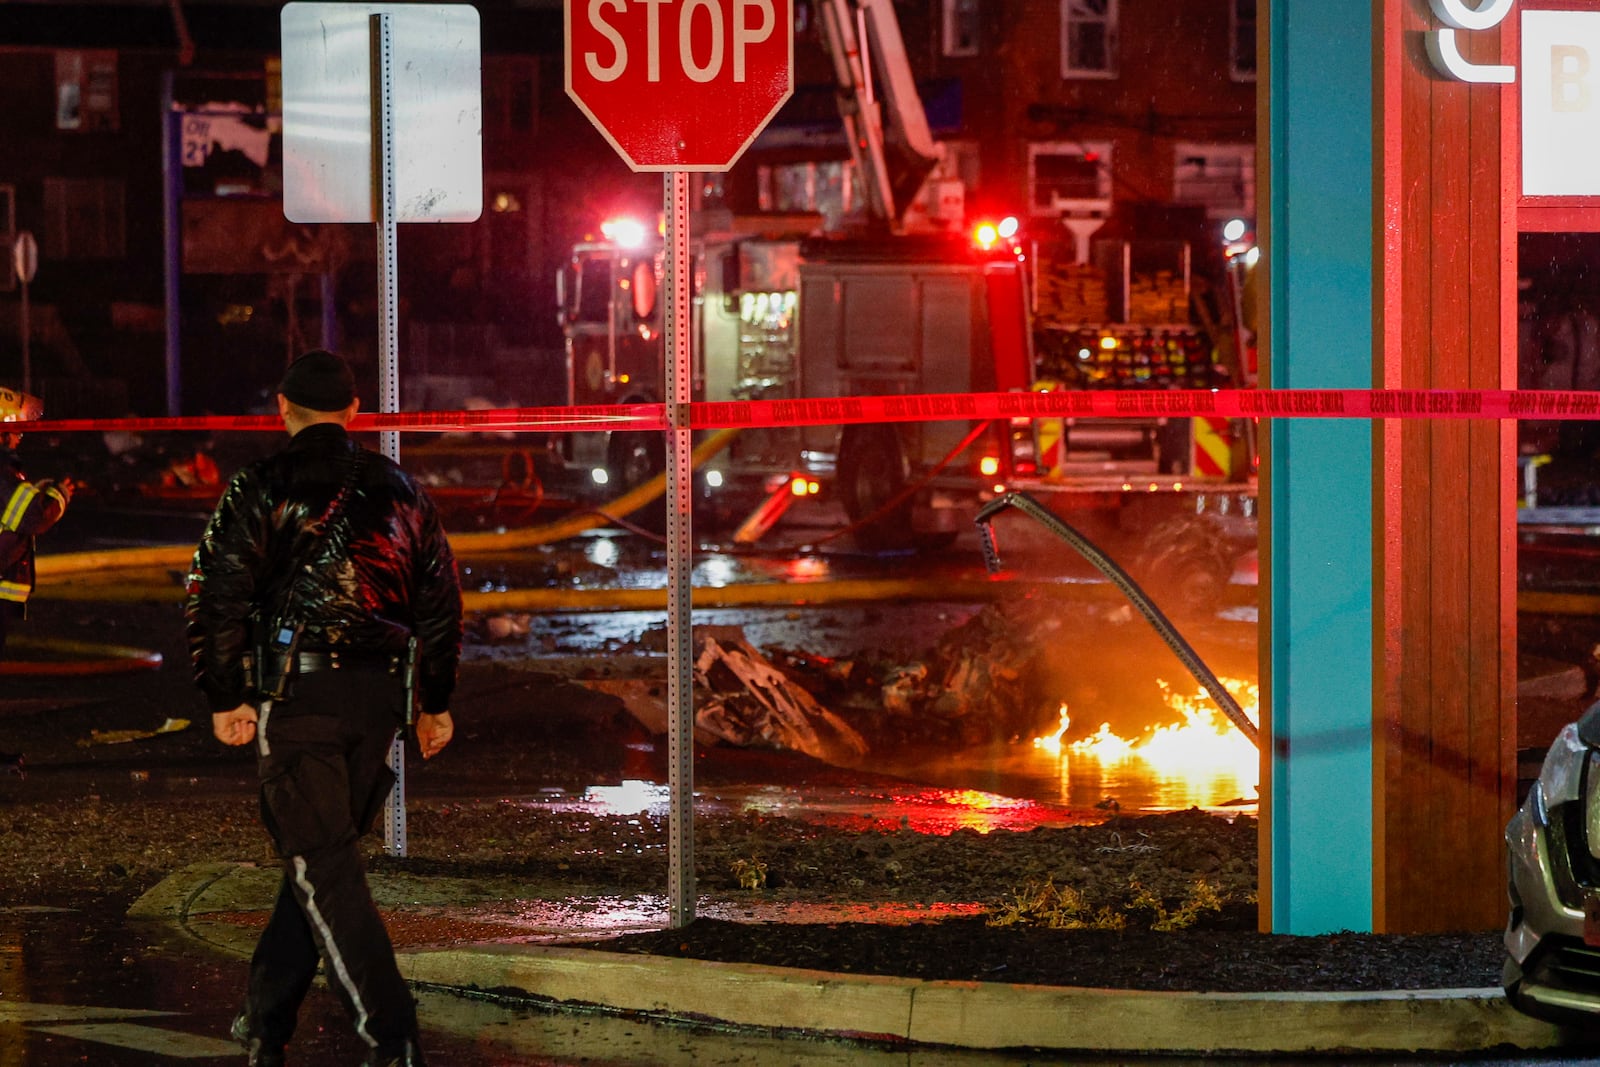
<point x="437" y="101"/>
<point x="1560" y="103"/>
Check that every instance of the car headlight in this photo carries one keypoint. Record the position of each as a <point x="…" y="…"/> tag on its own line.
<point x="1562" y="772"/>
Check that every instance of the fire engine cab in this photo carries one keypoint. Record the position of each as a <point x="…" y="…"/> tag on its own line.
<point x="778" y="317"/>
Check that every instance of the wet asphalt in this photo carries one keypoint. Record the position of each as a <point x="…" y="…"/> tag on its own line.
<point x="84" y="984"/>
<point x="79" y="986"/>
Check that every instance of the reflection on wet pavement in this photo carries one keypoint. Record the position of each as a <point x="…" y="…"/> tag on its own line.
<point x="77" y="988"/>
<point x="931" y="810"/>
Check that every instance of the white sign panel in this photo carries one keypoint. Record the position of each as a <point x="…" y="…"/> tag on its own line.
<point x="1561" y="103"/>
<point x="436" y="89"/>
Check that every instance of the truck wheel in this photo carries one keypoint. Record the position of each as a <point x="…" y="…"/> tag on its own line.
<point x="1185" y="565"/>
<point x="872" y="471"/>
<point x="634" y="457"/>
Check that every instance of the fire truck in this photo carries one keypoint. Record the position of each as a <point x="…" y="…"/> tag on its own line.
<point x="784" y="312"/>
<point x="779" y="317"/>
<point x="886" y="308"/>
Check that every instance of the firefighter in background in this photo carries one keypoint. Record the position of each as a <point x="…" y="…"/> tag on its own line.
<point x="27" y="509"/>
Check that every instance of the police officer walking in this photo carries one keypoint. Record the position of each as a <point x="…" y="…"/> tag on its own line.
<point x="323" y="606"/>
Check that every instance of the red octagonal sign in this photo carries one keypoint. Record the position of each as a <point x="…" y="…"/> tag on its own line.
<point x="680" y="84"/>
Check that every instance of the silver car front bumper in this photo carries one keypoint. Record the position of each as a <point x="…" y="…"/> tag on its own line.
<point x="1553" y="875"/>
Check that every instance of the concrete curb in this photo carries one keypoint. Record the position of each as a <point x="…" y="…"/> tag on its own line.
<point x="974" y="1015"/>
<point x="985" y="1015"/>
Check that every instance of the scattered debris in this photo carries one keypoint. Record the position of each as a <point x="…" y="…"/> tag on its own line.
<point x="742" y="698"/>
<point x="121" y="737"/>
<point x="1137" y="846"/>
<point x="646" y="701"/>
<point x="989" y="679"/>
<point x="504" y="627"/>
<point x="751" y="874"/>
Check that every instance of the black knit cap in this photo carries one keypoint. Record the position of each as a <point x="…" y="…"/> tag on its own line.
<point x="319" y="380"/>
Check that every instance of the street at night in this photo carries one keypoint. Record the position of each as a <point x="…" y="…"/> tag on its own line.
<point x="901" y="531"/>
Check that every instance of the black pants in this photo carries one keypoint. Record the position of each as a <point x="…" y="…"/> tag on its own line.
<point x="10" y="612"/>
<point x="323" y="768"/>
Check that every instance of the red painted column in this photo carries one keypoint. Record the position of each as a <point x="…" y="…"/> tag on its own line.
<point x="1445" y="551"/>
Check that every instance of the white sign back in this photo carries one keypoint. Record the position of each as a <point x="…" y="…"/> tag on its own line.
<point x="1561" y="103"/>
<point x="436" y="87"/>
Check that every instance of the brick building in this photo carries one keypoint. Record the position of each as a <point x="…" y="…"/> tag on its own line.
<point x="1047" y="109"/>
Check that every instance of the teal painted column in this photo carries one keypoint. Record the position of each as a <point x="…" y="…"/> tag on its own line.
<point x="1321" y="491"/>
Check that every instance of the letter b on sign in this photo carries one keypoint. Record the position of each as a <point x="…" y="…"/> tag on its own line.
<point x="1569" y="78"/>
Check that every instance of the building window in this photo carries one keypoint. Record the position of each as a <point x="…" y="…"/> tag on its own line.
<point x="1088" y="38"/>
<point x="1220" y="176"/>
<point x="827" y="189"/>
<point x="8" y="235"/>
<point x="510" y="96"/>
<point x="1242" y="23"/>
<point x="86" y="91"/>
<point x="1072" y="178"/>
<point x="960" y="27"/>
<point x="83" y="219"/>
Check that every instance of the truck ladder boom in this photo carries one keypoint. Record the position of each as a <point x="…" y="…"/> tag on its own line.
<point x="890" y="143"/>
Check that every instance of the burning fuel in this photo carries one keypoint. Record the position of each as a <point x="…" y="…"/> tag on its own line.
<point x="1201" y="758"/>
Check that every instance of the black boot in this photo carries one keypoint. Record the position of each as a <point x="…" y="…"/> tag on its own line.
<point x="261" y="1055"/>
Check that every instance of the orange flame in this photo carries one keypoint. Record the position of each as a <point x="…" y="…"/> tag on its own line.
<point x="1202" y="747"/>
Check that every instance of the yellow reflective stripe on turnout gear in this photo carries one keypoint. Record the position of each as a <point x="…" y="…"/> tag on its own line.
<point x="17" y="506"/>
<point x="13" y="591"/>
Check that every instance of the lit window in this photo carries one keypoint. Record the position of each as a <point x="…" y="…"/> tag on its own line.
<point x="826" y="188"/>
<point x="84" y="219"/>
<point x="1072" y="177"/>
<point x="1088" y="38"/>
<point x="960" y="27"/>
<point x="1220" y="176"/>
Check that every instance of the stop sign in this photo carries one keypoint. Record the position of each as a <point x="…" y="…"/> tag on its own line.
<point x="680" y="84"/>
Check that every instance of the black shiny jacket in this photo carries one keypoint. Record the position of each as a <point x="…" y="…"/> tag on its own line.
<point x="382" y="570"/>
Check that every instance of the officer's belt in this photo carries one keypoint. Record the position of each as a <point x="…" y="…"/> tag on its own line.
<point x="338" y="660"/>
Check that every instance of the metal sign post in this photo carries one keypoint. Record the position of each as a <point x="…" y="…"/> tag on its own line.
<point x="360" y="147"/>
<point x="394" y="808"/>
<point x="641" y="81"/>
<point x="680" y="557"/>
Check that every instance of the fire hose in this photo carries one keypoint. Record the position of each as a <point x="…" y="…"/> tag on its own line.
<point x="77" y="658"/>
<point x="67" y="564"/>
<point x="1120" y="578"/>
